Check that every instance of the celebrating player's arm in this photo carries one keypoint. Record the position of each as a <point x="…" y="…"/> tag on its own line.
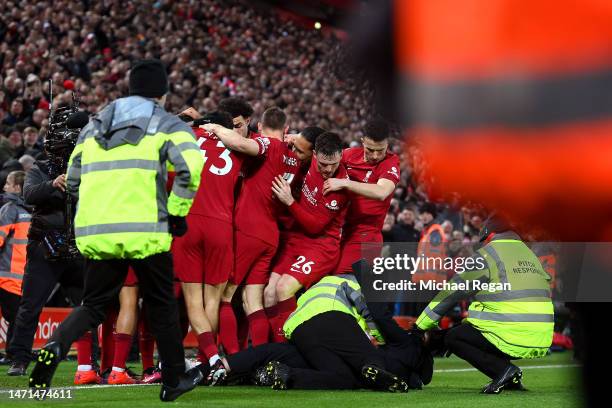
<point x="379" y="191"/>
<point x="311" y="223"/>
<point x="234" y="141"/>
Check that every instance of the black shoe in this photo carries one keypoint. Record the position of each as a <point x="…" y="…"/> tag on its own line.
<point x="380" y="379"/>
<point x="104" y="375"/>
<point x="4" y="360"/>
<point x="217" y="374"/>
<point x="18" y="368"/>
<point x="512" y="375"/>
<point x="133" y="374"/>
<point x="46" y="364"/>
<point x="187" y="382"/>
<point x="516" y="386"/>
<point x="277" y="375"/>
<point x="261" y="377"/>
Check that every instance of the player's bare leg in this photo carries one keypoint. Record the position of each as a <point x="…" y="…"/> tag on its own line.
<point x="199" y="322"/>
<point x="270" y="298"/>
<point x="286" y="288"/>
<point x="212" y="300"/>
<point x="127" y="319"/>
<point x="271" y="305"/>
<point x="259" y="327"/>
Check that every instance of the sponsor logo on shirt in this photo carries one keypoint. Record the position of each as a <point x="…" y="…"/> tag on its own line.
<point x="333" y="205"/>
<point x="290" y="161"/>
<point x="367" y="176"/>
<point x="310" y="194"/>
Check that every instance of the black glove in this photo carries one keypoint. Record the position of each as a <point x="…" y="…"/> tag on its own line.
<point x="177" y="226"/>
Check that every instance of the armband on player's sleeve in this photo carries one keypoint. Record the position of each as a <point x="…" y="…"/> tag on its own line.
<point x="263" y="143"/>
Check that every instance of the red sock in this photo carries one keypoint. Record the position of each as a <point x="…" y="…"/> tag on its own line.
<point x="206" y="345"/>
<point x="259" y="327"/>
<point x="243" y="329"/>
<point x="228" y="328"/>
<point x="108" y="343"/>
<point x="271" y="314"/>
<point x="285" y="308"/>
<point x="146" y="343"/>
<point x="123" y="344"/>
<point x="83" y="346"/>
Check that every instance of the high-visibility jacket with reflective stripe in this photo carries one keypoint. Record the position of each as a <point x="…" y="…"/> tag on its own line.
<point x="15" y="219"/>
<point x="118" y="171"/>
<point x="339" y="293"/>
<point x="518" y="320"/>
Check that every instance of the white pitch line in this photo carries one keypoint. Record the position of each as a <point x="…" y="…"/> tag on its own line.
<point x="93" y="386"/>
<point x="451" y="370"/>
<point x="535" y="367"/>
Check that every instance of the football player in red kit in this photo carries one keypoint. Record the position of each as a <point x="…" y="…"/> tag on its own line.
<point x="373" y="174"/>
<point x="204" y="255"/>
<point x="255" y="223"/>
<point x="241" y="112"/>
<point x="313" y="242"/>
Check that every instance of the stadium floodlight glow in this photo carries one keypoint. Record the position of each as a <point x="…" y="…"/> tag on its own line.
<point x="317" y="25"/>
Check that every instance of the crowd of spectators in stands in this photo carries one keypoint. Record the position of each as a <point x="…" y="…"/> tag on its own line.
<point x="212" y="48"/>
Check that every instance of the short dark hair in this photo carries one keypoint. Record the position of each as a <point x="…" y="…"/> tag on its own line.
<point x="311" y="133"/>
<point x="428" y="207"/>
<point x="236" y="107"/>
<point x="218" y="117"/>
<point x="274" y="118"/>
<point x="328" y="144"/>
<point x="18" y="177"/>
<point x="376" y="129"/>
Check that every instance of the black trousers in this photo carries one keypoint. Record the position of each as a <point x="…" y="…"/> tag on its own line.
<point x="39" y="280"/>
<point x="243" y="363"/>
<point x="9" y="304"/>
<point x="336" y="348"/>
<point x="469" y="344"/>
<point x="103" y="281"/>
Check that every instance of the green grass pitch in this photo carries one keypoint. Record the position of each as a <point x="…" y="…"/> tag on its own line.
<point x="553" y="381"/>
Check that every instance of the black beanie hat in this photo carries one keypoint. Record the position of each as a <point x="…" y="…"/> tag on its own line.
<point x="148" y="78"/>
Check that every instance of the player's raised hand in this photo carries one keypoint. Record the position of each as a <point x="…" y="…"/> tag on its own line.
<point x="210" y="127"/>
<point x="282" y="190"/>
<point x="333" y="184"/>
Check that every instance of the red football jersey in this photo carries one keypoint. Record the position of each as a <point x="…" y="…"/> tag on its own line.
<point x="257" y="209"/>
<point x="331" y="207"/>
<point x="215" y="197"/>
<point x="366" y="215"/>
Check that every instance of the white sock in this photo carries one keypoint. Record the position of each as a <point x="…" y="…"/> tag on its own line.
<point x="118" y="369"/>
<point x="84" y="367"/>
<point x="214" y="359"/>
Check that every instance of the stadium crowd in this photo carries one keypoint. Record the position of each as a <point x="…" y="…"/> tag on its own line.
<point x="213" y="49"/>
<point x="231" y="63"/>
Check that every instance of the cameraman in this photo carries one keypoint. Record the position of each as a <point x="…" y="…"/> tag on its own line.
<point x="48" y="197"/>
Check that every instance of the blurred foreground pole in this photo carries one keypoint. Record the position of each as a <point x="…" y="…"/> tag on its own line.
<point x="510" y="104"/>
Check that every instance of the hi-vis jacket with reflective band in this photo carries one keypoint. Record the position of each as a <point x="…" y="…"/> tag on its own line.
<point x="333" y="293"/>
<point x="14" y="224"/>
<point x="519" y="321"/>
<point x="118" y="171"/>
